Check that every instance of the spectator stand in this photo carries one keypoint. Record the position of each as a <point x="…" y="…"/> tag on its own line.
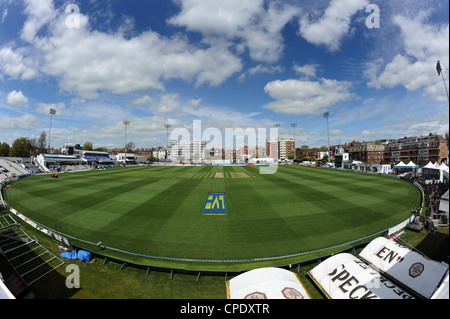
<point x="27" y="257"/>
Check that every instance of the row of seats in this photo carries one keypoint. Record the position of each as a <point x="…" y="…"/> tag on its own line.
<point x="10" y="169"/>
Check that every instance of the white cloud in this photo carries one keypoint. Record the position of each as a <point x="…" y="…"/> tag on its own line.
<point x="5" y="14"/>
<point x="415" y="68"/>
<point x="16" y="98"/>
<point x="258" y="28"/>
<point x="295" y="97"/>
<point x="39" y="13"/>
<point x="15" y="65"/>
<point x="195" y="103"/>
<point x="422" y="40"/>
<point x="333" y="25"/>
<point x="25" y="122"/>
<point x="412" y="75"/>
<point x="141" y="130"/>
<point x="308" y="70"/>
<point x="260" y="69"/>
<point x="168" y="103"/>
<point x="143" y="100"/>
<point x="414" y="126"/>
<point x="87" y="62"/>
<point x="44" y="108"/>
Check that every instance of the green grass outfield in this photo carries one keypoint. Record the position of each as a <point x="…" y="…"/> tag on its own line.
<point x="157" y="211"/>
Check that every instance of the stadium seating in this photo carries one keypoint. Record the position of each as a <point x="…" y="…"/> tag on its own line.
<point x="10" y="169"/>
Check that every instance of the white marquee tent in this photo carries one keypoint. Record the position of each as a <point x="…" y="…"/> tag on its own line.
<point x="423" y="276"/>
<point x="4" y="292"/>
<point x="266" y="283"/>
<point x="400" y="165"/>
<point x="436" y="171"/>
<point x="344" y="276"/>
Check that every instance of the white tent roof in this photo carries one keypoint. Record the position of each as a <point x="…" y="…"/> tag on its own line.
<point x="442" y="291"/>
<point x="405" y="266"/>
<point x="443" y="203"/>
<point x="401" y="164"/>
<point x="344" y="276"/>
<point x="411" y="164"/>
<point x="266" y="283"/>
<point x="444" y="167"/>
<point x="429" y="165"/>
<point x="4" y="292"/>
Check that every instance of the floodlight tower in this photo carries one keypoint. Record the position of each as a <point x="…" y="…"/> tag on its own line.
<point x="52" y="112"/>
<point x="277" y="125"/>
<point x="167" y="126"/>
<point x="126" y="123"/>
<point x="327" y="115"/>
<point x="439" y="71"/>
<point x="294" y="125"/>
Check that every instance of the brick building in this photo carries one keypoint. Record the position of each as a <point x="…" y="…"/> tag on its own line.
<point x="369" y="152"/>
<point x="420" y="150"/>
<point x="283" y="147"/>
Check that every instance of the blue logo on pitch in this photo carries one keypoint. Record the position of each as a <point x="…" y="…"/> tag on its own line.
<point x="215" y="204"/>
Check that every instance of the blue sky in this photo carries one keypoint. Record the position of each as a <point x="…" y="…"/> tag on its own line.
<point x="229" y="63"/>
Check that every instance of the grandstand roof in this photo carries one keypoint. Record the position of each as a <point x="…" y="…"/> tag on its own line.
<point x="95" y="152"/>
<point x="62" y="156"/>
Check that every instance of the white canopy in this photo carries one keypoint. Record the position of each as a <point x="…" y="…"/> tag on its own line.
<point x="401" y="164"/>
<point x="344" y="276"/>
<point x="429" y="165"/>
<point x="443" y="203"/>
<point x="405" y="266"/>
<point x="266" y="283"/>
<point x="442" y="291"/>
<point x="411" y="164"/>
<point x="4" y="292"/>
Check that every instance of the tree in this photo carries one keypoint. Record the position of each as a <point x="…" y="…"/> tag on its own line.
<point x="4" y="149"/>
<point x="21" y="147"/>
<point x="88" y="146"/>
<point x="130" y="147"/>
<point x="41" y="142"/>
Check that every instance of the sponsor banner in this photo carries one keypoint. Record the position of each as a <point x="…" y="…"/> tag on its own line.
<point x="344" y="276"/>
<point x="405" y="266"/>
<point x="266" y="283"/>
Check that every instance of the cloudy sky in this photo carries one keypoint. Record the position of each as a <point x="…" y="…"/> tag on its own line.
<point x="228" y="63"/>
